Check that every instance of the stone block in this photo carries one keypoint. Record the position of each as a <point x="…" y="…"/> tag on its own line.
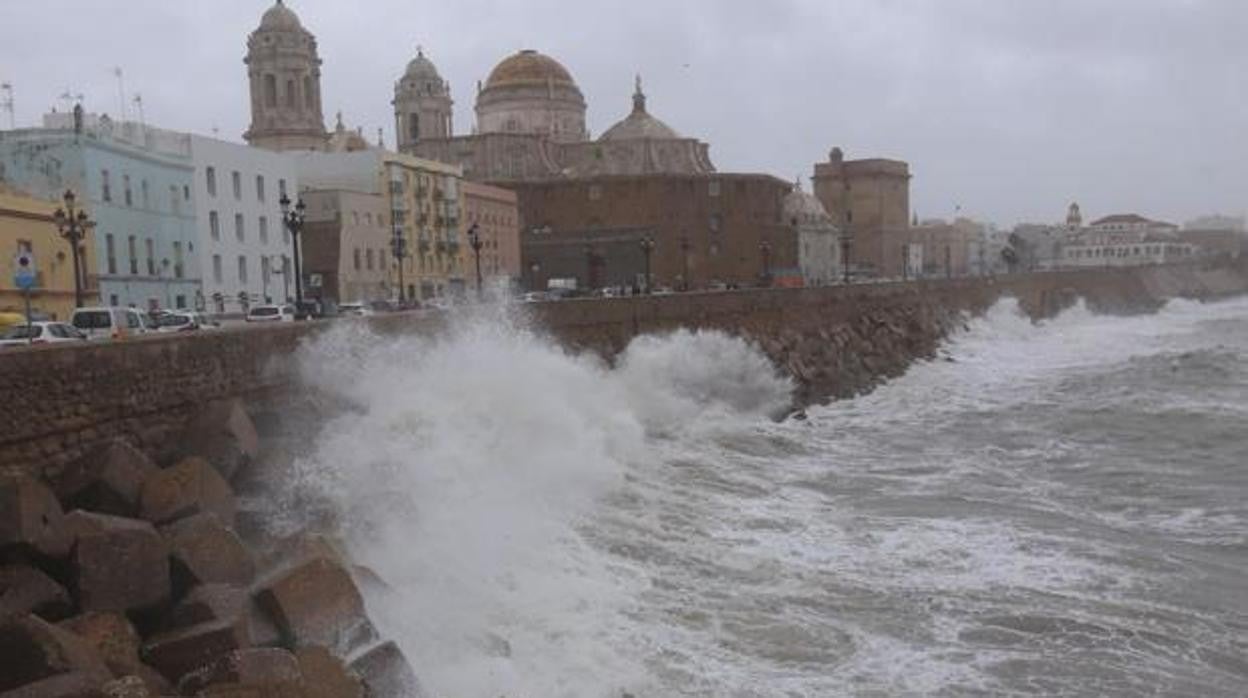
<point x="253" y="667"/>
<point x="223" y="434"/>
<point x="327" y="676"/>
<point x="386" y="673"/>
<point x="188" y="488"/>
<point x="75" y="684"/>
<point x="128" y="687"/>
<point x="203" y="551"/>
<point x="315" y="602"/>
<point x="179" y="652"/>
<point x="25" y="589"/>
<point x="117" y="564"/>
<point x="34" y="650"/>
<point x="31" y="518"/>
<point x="214" y="602"/>
<point x="111" y="635"/>
<point x="108" y="481"/>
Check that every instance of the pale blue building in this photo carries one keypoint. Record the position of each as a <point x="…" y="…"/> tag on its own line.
<point x="135" y="184"/>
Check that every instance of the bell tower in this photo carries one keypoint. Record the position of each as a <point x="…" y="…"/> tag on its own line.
<point x="422" y="105"/>
<point x="285" y="74"/>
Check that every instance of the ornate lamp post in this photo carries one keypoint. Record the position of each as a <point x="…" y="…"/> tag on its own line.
<point x="475" y="242"/>
<point x="647" y="247"/>
<point x="293" y="220"/>
<point x="684" y="262"/>
<point x="846" y="238"/>
<point x="73" y="225"/>
<point x="398" y="247"/>
<point x="764" y="248"/>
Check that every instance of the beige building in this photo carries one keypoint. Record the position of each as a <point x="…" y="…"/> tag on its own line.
<point x="346" y="247"/>
<point x="27" y="225"/>
<point x="494" y="212"/>
<point x="870" y="199"/>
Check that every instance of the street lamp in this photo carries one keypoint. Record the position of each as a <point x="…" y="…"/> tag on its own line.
<point x="475" y="242"/>
<point x="764" y="248"/>
<point x="684" y="262"/>
<point x="846" y="238"/>
<point x="647" y="247"/>
<point x="398" y="246"/>
<point x="73" y="227"/>
<point x="293" y="220"/>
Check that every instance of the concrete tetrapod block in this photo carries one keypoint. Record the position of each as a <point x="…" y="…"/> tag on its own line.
<point x="118" y="564"/>
<point x="253" y="667"/>
<point x="34" y="650"/>
<point x="327" y="676"/>
<point x="25" y="589"/>
<point x="31" y="520"/>
<point x="190" y="487"/>
<point x="315" y="602"/>
<point x="224" y="434"/>
<point x="108" y="482"/>
<point x="204" y="551"/>
<point x="179" y="652"/>
<point x="386" y="673"/>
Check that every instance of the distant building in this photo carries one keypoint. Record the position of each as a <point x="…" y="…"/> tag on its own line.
<point x="136" y="184"/>
<point x="495" y="214"/>
<point x="284" y="72"/>
<point x="1124" y="239"/>
<point x="347" y="246"/>
<point x="818" y="239"/>
<point x="27" y="225"/>
<point x="1234" y="224"/>
<point x="870" y="200"/>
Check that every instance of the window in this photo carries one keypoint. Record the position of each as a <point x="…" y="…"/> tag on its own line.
<point x="216" y="268"/>
<point x="237" y="180"/>
<point x="264" y="230"/>
<point x="290" y="93"/>
<point x="175" y="205"/>
<point x="264" y="272"/>
<point x="143" y="192"/>
<point x="177" y="260"/>
<point x="151" y="257"/>
<point x="716" y="222"/>
<point x="309" y="98"/>
<point x="281" y="188"/>
<point x="712" y="189"/>
<point x="211" y="174"/>
<point x="242" y="269"/>
<point x="109" y="248"/>
<point x="368" y="257"/>
<point x="368" y="219"/>
<point x="106" y="191"/>
<point x="413" y="127"/>
<point x="270" y="90"/>
<point x="113" y="300"/>
<point x="356" y="255"/>
<point x="125" y="182"/>
<point x="186" y="193"/>
<point x="134" y="255"/>
<point x="260" y="188"/>
<point x="179" y="302"/>
<point x="238" y="228"/>
<point x="285" y="235"/>
<point x="214" y="225"/>
<point x="381" y="260"/>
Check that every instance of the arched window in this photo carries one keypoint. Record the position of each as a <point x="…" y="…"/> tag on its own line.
<point x="308" y="97"/>
<point x="270" y="91"/>
<point x="413" y="127"/>
<point x="290" y="94"/>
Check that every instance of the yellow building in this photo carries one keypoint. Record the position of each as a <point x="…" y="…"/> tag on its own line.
<point x="26" y="224"/>
<point x="426" y="200"/>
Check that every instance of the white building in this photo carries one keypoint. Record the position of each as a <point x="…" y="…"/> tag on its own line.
<point x="1125" y="254"/>
<point x="817" y="237"/>
<point x="244" y="249"/>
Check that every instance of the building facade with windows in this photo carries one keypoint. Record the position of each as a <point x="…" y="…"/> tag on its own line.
<point x="27" y="225"/>
<point x="494" y="212"/>
<point x="346" y="247"/>
<point x="136" y="184"/>
<point x="244" y="250"/>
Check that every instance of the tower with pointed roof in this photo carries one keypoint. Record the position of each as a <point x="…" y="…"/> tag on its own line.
<point x="285" y="75"/>
<point x="422" y="104"/>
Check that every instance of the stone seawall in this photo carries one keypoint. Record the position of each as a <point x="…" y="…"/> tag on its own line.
<point x="61" y="402"/>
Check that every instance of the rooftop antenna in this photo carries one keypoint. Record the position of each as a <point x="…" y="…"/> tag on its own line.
<point x="6" y="103"/>
<point x="138" y="105"/>
<point x="121" y="91"/>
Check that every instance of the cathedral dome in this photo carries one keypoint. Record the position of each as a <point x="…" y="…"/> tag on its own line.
<point x="639" y="124"/>
<point x="529" y="68"/>
<point x="422" y="67"/>
<point x="280" y="18"/>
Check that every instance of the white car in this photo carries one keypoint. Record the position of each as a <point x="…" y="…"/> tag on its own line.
<point x="271" y="313"/>
<point x="40" y="333"/>
<point x="356" y="309"/>
<point x="111" y="322"/>
<point x="183" y="321"/>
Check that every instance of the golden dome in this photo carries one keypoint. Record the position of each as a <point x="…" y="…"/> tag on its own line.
<point x="528" y="68"/>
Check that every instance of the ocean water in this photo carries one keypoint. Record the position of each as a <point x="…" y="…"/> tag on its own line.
<point x="1052" y="509"/>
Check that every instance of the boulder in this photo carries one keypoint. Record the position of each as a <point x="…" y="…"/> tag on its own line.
<point x="386" y="673"/>
<point x="254" y="667"/>
<point x="224" y="434"/>
<point x="188" y="488"/>
<point x="108" y="481"/>
<point x="111" y="635"/>
<point x="326" y="676"/>
<point x="214" y="602"/>
<point x="74" y="684"/>
<point x="117" y="564"/>
<point x="315" y="602"/>
<point x="270" y="690"/>
<point x="179" y="652"/>
<point x="31" y="520"/>
<point x="203" y="551"/>
<point x="128" y="687"/>
<point x="34" y="650"/>
<point x="25" y="589"/>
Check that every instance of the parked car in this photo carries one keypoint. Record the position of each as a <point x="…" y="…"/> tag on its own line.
<point x="271" y="313"/>
<point x="535" y="297"/>
<point x="40" y="333"/>
<point x="111" y="322"/>
<point x="184" y="321"/>
<point x="357" y="309"/>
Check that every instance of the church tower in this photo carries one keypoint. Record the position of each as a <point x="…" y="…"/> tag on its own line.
<point x="422" y="105"/>
<point x="1074" y="218"/>
<point x="285" y="75"/>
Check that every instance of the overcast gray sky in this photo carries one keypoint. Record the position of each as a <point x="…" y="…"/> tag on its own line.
<point x="1009" y="108"/>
